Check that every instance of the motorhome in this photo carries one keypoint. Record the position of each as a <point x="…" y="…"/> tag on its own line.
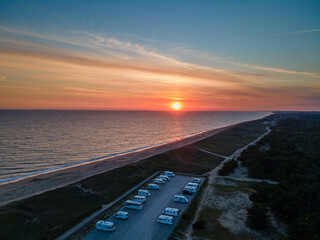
<point x="165" y="219"/>
<point x="180" y="198"/>
<point x="169" y="173"/>
<point x="164" y="177"/>
<point x="105" y="226"/>
<point x="133" y="205"/>
<point x="158" y="180"/>
<point x="190" y="184"/>
<point x="139" y="198"/>
<point x="191" y="189"/>
<point x="196" y="180"/>
<point x="153" y="186"/>
<point x="121" y="215"/>
<point x="142" y="192"/>
<point x="171" y="211"/>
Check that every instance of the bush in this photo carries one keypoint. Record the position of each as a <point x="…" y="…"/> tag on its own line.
<point x="228" y="167"/>
<point x="306" y="228"/>
<point x="199" y="225"/>
<point x="257" y="216"/>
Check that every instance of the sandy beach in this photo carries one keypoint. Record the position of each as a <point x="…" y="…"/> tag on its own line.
<point x="40" y="183"/>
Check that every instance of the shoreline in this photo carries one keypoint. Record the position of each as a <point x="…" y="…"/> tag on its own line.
<point x="36" y="184"/>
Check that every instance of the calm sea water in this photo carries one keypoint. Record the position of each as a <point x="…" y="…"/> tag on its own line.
<point x="33" y="141"/>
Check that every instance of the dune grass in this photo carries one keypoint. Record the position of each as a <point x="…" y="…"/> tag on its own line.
<point x="50" y="214"/>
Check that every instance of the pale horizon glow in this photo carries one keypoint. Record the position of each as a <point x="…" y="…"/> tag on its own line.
<point x="62" y="61"/>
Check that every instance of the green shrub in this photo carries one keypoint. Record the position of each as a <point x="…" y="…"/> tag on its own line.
<point x="228" y="167"/>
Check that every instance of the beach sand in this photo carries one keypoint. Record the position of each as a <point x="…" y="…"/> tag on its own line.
<point x="40" y="183"/>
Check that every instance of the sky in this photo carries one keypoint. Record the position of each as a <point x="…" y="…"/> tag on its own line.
<point x="147" y="55"/>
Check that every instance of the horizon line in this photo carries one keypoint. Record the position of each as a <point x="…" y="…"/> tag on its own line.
<point x="146" y="110"/>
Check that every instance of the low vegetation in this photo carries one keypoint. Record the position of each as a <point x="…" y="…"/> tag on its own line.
<point x="212" y="229"/>
<point x="50" y="214"/>
<point x="230" y="140"/>
<point x="293" y="159"/>
<point x="258" y="216"/>
<point x="228" y="167"/>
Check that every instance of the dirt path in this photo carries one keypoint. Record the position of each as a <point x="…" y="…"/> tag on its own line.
<point x="213" y="174"/>
<point x="211" y="153"/>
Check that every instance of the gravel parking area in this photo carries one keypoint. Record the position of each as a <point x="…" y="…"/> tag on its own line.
<point x="142" y="224"/>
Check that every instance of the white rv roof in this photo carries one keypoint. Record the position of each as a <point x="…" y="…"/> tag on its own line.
<point x="192" y="183"/>
<point x="165" y="217"/>
<point x="106" y="223"/>
<point x="179" y="196"/>
<point x="138" y="196"/>
<point x="122" y="213"/>
<point x="135" y="202"/>
<point x="172" y="209"/>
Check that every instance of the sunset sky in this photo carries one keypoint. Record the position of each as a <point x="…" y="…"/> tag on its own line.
<point x="148" y="55"/>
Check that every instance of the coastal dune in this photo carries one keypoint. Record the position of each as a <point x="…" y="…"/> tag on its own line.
<point x="39" y="183"/>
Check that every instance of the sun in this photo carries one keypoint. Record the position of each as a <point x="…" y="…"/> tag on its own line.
<point x="176" y="106"/>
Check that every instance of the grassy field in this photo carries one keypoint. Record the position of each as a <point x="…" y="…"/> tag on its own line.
<point x="228" y="141"/>
<point x="212" y="229"/>
<point x="50" y="214"/>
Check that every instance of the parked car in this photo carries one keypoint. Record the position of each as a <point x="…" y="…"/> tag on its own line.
<point x="158" y="180"/>
<point x="105" y="226"/>
<point x="145" y="193"/>
<point x="153" y="186"/>
<point x="121" y="215"/>
<point x="180" y="198"/>
<point x="169" y="173"/>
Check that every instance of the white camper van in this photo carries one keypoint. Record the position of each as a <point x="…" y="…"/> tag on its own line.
<point x="139" y="198"/>
<point x="191" y="189"/>
<point x="105" y="226"/>
<point x="196" y="180"/>
<point x="165" y="219"/>
<point x="180" y="198"/>
<point x="158" y="180"/>
<point x="171" y="211"/>
<point x="121" y="215"/>
<point x="142" y="192"/>
<point x="164" y="177"/>
<point x="153" y="186"/>
<point x="190" y="184"/>
<point x="168" y="173"/>
<point x="133" y="205"/>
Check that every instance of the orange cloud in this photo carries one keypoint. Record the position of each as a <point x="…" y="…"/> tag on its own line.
<point x="110" y="74"/>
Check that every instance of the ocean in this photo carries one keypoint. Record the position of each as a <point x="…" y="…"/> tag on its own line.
<point x="33" y="141"/>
